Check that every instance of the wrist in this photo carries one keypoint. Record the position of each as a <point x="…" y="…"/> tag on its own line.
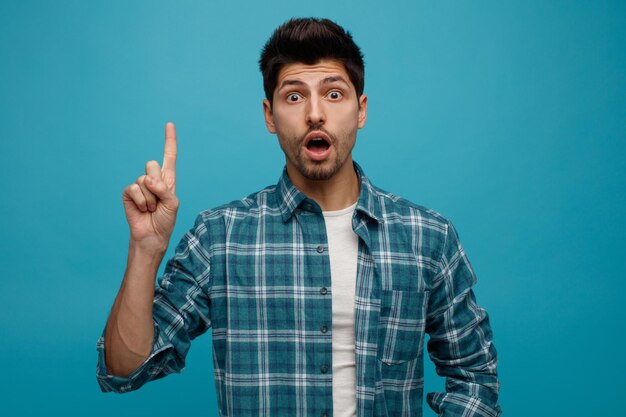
<point x="146" y="253"/>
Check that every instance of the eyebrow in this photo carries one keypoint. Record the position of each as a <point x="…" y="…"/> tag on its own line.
<point x="332" y="79"/>
<point x="327" y="80"/>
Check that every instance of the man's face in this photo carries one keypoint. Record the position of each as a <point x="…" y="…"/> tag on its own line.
<point x="315" y="114"/>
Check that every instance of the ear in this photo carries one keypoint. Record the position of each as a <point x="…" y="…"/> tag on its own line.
<point x="269" y="116"/>
<point x="362" y="110"/>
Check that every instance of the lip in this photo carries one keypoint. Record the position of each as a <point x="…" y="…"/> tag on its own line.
<point x="317" y="156"/>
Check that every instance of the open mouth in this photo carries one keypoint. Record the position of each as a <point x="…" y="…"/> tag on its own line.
<point x="317" y="145"/>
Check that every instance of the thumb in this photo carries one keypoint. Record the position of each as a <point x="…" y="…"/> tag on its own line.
<point x="158" y="187"/>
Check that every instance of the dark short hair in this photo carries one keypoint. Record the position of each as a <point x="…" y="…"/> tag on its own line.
<point x="308" y="41"/>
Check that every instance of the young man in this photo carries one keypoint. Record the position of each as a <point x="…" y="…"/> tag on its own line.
<point x="319" y="290"/>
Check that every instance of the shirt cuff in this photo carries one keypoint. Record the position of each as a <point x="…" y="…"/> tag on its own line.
<point x="152" y="368"/>
<point x="454" y="404"/>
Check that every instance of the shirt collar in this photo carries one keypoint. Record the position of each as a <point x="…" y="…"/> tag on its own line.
<point x="290" y="197"/>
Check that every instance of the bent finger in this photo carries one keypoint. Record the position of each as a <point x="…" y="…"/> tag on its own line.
<point x="153" y="169"/>
<point x="133" y="193"/>
<point x="151" y="199"/>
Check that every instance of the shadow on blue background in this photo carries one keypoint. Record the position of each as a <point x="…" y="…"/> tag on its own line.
<point x="510" y="119"/>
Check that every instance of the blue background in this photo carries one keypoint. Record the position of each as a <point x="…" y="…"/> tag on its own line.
<point x="507" y="117"/>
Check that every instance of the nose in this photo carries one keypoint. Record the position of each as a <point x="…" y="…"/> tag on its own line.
<point x="315" y="113"/>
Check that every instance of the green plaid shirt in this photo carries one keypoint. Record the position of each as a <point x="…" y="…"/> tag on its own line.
<point x="257" y="272"/>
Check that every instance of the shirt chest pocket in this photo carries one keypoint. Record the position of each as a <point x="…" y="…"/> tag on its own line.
<point x="402" y="324"/>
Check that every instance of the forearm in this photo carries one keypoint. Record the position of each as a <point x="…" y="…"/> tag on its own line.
<point x="130" y="331"/>
<point x="465" y="355"/>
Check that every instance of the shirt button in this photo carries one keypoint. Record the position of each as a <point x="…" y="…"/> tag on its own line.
<point x="323" y="291"/>
<point x="320" y="249"/>
<point x="324" y="414"/>
<point x="324" y="368"/>
<point x="323" y="329"/>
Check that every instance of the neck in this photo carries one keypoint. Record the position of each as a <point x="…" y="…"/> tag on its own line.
<point x="336" y="193"/>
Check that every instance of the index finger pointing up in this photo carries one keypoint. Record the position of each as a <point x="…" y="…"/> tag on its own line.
<point x="169" y="154"/>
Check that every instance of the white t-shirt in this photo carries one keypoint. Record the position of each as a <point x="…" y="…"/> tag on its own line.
<point x="343" y="246"/>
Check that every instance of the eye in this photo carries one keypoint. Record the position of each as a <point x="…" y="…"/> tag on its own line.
<point x="334" y="95"/>
<point x="294" y="97"/>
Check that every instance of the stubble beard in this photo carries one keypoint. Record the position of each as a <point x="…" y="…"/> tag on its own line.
<point x="321" y="170"/>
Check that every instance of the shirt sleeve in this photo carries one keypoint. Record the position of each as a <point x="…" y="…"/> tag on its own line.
<point x="460" y="342"/>
<point x="181" y="312"/>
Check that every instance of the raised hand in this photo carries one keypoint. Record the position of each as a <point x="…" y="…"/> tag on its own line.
<point x="151" y="203"/>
